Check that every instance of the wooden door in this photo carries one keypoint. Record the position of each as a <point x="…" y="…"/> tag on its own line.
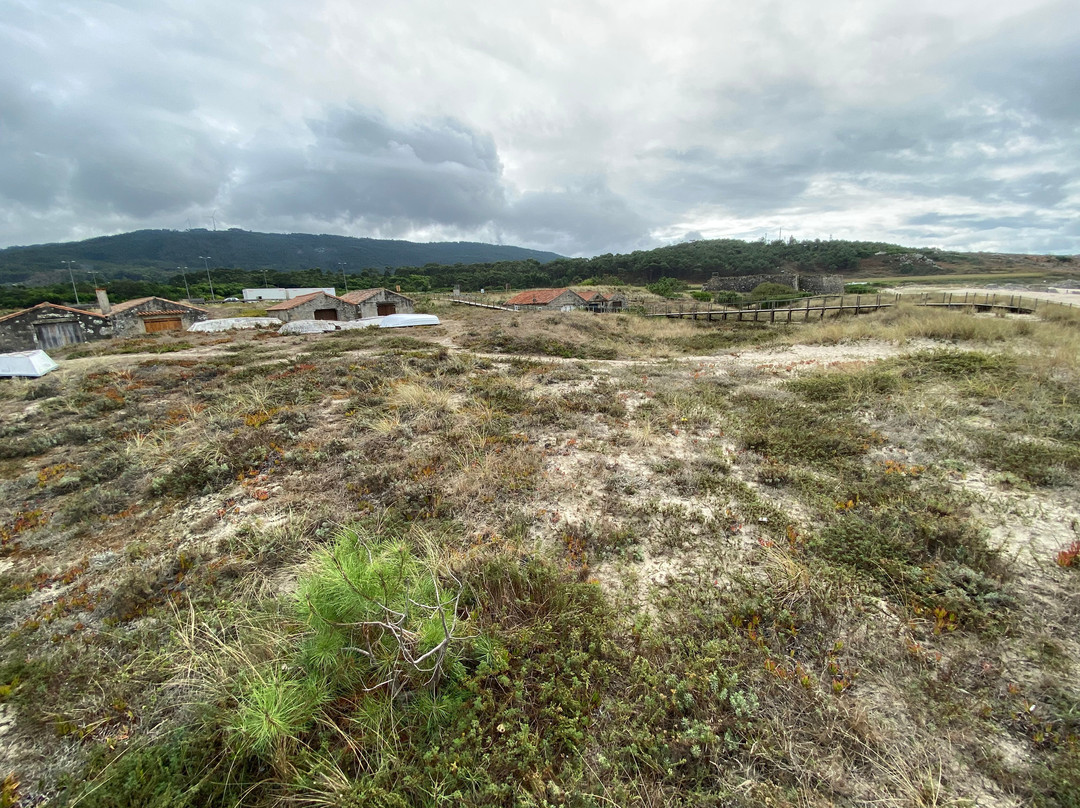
<point x="163" y="324"/>
<point x="383" y="309"/>
<point x="326" y="314"/>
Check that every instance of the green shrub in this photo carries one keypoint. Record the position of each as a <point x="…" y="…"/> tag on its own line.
<point x="727" y="298"/>
<point x="915" y="540"/>
<point x="797" y="433"/>
<point x="378" y="617"/>
<point x="847" y="388"/>
<point x="187" y="769"/>
<point x="953" y="364"/>
<point x="1039" y="463"/>
<point x="863" y="288"/>
<point x="667" y="287"/>
<point x="775" y="291"/>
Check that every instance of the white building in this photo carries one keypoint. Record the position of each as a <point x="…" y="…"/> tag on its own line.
<point x="252" y="295"/>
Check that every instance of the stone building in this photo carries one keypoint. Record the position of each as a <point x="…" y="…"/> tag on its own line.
<point x="315" y="306"/>
<point x="613" y="301"/>
<point x="49" y="325"/>
<point x="557" y="299"/>
<point x="378" y="302"/>
<point x="148" y="315"/>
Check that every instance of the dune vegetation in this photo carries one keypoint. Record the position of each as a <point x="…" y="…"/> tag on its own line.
<point x="548" y="559"/>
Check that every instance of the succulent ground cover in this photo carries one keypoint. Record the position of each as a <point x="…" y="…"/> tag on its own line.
<point x="538" y="559"/>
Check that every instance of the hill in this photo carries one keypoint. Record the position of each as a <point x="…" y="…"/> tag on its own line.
<point x="155" y="254"/>
<point x="146" y="263"/>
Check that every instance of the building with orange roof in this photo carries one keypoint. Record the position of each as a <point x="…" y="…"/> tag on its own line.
<point x="558" y="299"/>
<point x="314" y="306"/>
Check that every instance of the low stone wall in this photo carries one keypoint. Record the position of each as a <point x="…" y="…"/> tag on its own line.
<point x="747" y="283"/>
<point x="820" y="284"/>
<point x="815" y="284"/>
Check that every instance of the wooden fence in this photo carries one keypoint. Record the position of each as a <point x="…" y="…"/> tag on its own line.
<point x="815" y="307"/>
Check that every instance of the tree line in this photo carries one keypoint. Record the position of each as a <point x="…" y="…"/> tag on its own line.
<point x="688" y="263"/>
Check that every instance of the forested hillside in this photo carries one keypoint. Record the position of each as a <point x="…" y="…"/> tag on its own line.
<point x="154" y="254"/>
<point x="149" y="263"/>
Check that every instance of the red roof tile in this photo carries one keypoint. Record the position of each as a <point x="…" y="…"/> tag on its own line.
<point x="537" y="297"/>
<point x="285" y="305"/>
<point x="130" y="304"/>
<point x="50" y="306"/>
<point x="360" y="295"/>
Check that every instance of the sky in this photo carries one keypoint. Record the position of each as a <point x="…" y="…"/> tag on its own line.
<point x="580" y="127"/>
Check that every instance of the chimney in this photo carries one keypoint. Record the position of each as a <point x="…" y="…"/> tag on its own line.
<point x="103" y="301"/>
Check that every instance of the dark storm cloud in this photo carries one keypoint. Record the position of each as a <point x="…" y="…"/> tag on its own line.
<point x="358" y="166"/>
<point x="1031" y="66"/>
<point x="590" y="220"/>
<point x="98" y="144"/>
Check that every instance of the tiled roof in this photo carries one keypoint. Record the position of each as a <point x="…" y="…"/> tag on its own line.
<point x="285" y="305"/>
<point x="50" y="306"/>
<point x="360" y="295"/>
<point x="130" y="304"/>
<point x="537" y="297"/>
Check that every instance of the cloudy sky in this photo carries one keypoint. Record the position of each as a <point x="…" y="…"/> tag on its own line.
<point x="581" y="127"/>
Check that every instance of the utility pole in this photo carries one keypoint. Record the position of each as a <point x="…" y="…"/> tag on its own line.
<point x="342" y="265"/>
<point x="71" y="275"/>
<point x="206" y="258"/>
<point x="183" y="271"/>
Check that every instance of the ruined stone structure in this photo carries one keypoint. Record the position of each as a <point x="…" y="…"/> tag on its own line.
<point x="820" y="284"/>
<point x="815" y="284"/>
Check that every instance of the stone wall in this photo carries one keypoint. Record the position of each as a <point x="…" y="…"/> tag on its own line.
<point x="306" y="309"/>
<point x="47" y="325"/>
<point x="131" y="320"/>
<point x="821" y="284"/>
<point x="369" y="307"/>
<point x="744" y="284"/>
<point x="747" y="283"/>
